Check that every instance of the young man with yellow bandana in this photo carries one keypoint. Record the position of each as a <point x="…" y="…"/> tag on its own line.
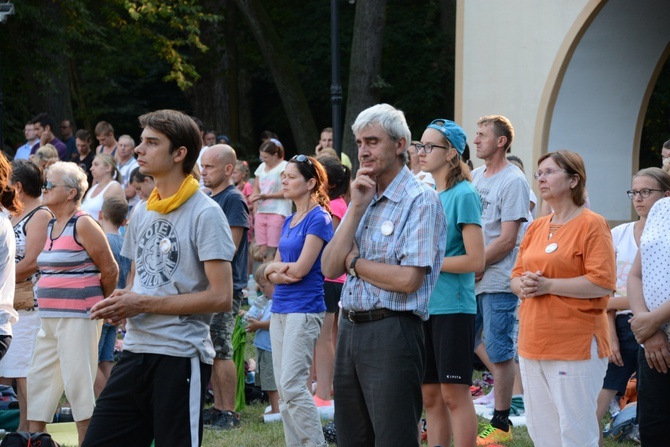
<point x="182" y="248"/>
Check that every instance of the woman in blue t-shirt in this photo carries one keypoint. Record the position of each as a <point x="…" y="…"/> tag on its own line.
<point x="298" y="303"/>
<point x="450" y="331"/>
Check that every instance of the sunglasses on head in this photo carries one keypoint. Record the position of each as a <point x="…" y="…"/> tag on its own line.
<point x="300" y="158"/>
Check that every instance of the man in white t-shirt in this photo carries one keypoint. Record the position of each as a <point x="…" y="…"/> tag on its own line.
<point x="126" y="163"/>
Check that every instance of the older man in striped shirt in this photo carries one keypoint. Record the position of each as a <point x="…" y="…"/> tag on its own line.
<point x="391" y="243"/>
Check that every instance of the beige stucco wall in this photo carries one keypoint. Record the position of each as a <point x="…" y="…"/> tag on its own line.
<point x="572" y="74"/>
<point x="505" y="52"/>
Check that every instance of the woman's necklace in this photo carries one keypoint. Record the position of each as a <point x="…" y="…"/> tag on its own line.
<point x="553" y="229"/>
<point x="295" y="221"/>
<point x="555" y="226"/>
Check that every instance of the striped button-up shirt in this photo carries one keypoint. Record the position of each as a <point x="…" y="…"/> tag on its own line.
<point x="405" y="226"/>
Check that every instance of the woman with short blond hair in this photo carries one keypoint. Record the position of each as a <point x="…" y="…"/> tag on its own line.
<point x="78" y="270"/>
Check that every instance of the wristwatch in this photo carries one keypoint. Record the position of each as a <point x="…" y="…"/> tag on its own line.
<point x="352" y="266"/>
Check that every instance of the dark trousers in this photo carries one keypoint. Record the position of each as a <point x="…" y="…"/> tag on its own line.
<point x="653" y="411"/>
<point x="150" y="396"/>
<point x="379" y="368"/>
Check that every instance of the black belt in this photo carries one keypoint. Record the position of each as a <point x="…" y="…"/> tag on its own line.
<point x="366" y="316"/>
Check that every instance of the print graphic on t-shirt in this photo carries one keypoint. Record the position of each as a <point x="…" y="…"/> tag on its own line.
<point x="484" y="195"/>
<point x="158" y="254"/>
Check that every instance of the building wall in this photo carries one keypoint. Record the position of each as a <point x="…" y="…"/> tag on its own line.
<point x="573" y="74"/>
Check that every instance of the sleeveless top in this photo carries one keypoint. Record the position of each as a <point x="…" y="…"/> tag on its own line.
<point x="70" y="282"/>
<point x="101" y="150"/>
<point x="93" y="205"/>
<point x="21" y="239"/>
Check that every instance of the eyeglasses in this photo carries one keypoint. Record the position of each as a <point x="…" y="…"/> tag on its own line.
<point x="644" y="193"/>
<point x="547" y="173"/>
<point x="300" y="158"/>
<point x="427" y="148"/>
<point x="51" y="185"/>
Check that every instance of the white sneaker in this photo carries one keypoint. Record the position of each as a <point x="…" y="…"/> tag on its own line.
<point x="487" y="399"/>
<point x="614" y="407"/>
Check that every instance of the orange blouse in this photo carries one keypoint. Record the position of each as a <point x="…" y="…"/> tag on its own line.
<point x="553" y="327"/>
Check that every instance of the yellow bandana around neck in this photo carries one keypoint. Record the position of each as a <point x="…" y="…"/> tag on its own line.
<point x="188" y="187"/>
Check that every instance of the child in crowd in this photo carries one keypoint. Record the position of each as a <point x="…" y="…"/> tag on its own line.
<point x="143" y="184"/>
<point x="111" y="218"/>
<point x="241" y="179"/>
<point x="269" y="205"/>
<point x="260" y="324"/>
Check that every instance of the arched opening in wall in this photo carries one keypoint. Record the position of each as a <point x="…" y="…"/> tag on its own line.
<point x="656" y="129"/>
<point x="608" y="76"/>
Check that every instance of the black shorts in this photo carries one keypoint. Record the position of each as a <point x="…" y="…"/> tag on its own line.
<point x="450" y="342"/>
<point x="332" y="291"/>
<point x="150" y="397"/>
<point x="617" y="376"/>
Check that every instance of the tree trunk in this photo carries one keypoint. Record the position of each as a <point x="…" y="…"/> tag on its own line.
<point x="209" y="95"/>
<point x="232" y="75"/>
<point x="365" y="67"/>
<point x="448" y="26"/>
<point x="54" y="97"/>
<point x="288" y="85"/>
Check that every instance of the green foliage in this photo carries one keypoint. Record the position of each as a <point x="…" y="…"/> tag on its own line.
<point x="101" y="53"/>
<point x="116" y="59"/>
<point x="418" y="63"/>
<point x="174" y="29"/>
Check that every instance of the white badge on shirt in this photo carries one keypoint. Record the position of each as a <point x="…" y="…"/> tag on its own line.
<point x="551" y="248"/>
<point x="387" y="228"/>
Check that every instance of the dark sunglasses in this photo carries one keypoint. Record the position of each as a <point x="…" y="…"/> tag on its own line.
<point x="51" y="185"/>
<point x="300" y="158"/>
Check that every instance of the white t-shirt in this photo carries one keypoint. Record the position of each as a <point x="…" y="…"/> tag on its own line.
<point x="126" y="169"/>
<point x="425" y="177"/>
<point x="625" y="248"/>
<point x="199" y="161"/>
<point x="8" y="315"/>
<point x="655" y="253"/>
<point x="269" y="182"/>
<point x="93" y="205"/>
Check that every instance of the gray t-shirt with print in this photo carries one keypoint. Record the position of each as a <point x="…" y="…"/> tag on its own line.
<point x="169" y="251"/>
<point x="505" y="198"/>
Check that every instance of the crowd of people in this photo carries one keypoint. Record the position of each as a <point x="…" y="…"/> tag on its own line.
<point x="376" y="288"/>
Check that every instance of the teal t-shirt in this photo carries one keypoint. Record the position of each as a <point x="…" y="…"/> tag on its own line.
<point x="455" y="292"/>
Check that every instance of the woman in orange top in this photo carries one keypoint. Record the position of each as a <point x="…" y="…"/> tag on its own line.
<point x="564" y="274"/>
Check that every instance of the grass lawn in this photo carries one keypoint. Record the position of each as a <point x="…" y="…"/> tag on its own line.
<point x="253" y="432"/>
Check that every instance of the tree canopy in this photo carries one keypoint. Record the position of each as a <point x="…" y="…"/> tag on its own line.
<point x="241" y="66"/>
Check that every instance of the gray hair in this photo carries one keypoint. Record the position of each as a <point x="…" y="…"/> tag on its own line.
<point x="72" y="176"/>
<point x="390" y="119"/>
<point x="129" y="138"/>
